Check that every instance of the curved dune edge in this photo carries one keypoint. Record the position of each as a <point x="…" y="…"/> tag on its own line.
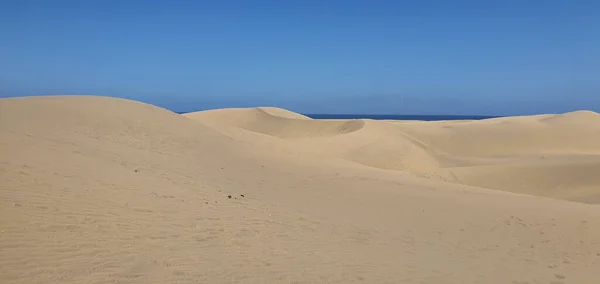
<point x="276" y="122"/>
<point x="364" y="142"/>
<point x="104" y="190"/>
<point x="283" y="113"/>
<point x="432" y="149"/>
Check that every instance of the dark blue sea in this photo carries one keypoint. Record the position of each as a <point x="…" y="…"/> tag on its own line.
<point x="398" y="117"/>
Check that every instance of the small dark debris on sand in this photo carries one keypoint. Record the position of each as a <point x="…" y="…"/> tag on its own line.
<point x="242" y="195"/>
<point x="136" y="170"/>
<point x="229" y="196"/>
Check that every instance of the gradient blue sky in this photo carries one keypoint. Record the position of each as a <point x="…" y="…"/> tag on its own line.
<point x="392" y="57"/>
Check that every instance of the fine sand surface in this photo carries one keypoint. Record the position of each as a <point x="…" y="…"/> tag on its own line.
<point x="105" y="190"/>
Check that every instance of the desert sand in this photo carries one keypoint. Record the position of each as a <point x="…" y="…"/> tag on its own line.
<point x="106" y="190"/>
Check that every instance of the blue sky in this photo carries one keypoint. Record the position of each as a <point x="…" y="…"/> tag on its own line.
<point x="382" y="57"/>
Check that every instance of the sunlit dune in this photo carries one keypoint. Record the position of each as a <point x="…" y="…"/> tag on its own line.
<point x="105" y="190"/>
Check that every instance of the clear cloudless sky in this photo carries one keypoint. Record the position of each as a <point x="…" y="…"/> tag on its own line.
<point x="483" y="57"/>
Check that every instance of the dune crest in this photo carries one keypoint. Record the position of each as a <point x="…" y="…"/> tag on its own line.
<point x="105" y="190"/>
<point x="282" y="113"/>
<point x="510" y="136"/>
<point x="279" y="123"/>
<point x="484" y="153"/>
<point x="365" y="142"/>
<point x="581" y="117"/>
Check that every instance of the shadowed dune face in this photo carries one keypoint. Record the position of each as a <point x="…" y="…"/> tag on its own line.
<point x="104" y="190"/>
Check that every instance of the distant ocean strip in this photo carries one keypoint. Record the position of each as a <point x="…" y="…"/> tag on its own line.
<point x="395" y="117"/>
<point x="399" y="117"/>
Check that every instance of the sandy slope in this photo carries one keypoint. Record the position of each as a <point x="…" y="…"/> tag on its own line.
<point x="548" y="155"/>
<point x="366" y="142"/>
<point x="102" y="190"/>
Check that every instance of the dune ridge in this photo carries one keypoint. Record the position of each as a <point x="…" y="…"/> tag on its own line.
<point x="366" y="142"/>
<point x="581" y="117"/>
<point x="282" y="113"/>
<point x="442" y="150"/>
<point x="277" y="122"/>
<point x="104" y="190"/>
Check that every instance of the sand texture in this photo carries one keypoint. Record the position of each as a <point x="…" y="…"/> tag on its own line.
<point x="105" y="190"/>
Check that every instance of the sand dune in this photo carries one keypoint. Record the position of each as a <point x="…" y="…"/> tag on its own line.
<point x="278" y="123"/>
<point x="441" y="150"/>
<point x="583" y="118"/>
<point x="509" y="136"/>
<point x="561" y="177"/>
<point x="282" y="113"/>
<point x="366" y="142"/>
<point x="104" y="190"/>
